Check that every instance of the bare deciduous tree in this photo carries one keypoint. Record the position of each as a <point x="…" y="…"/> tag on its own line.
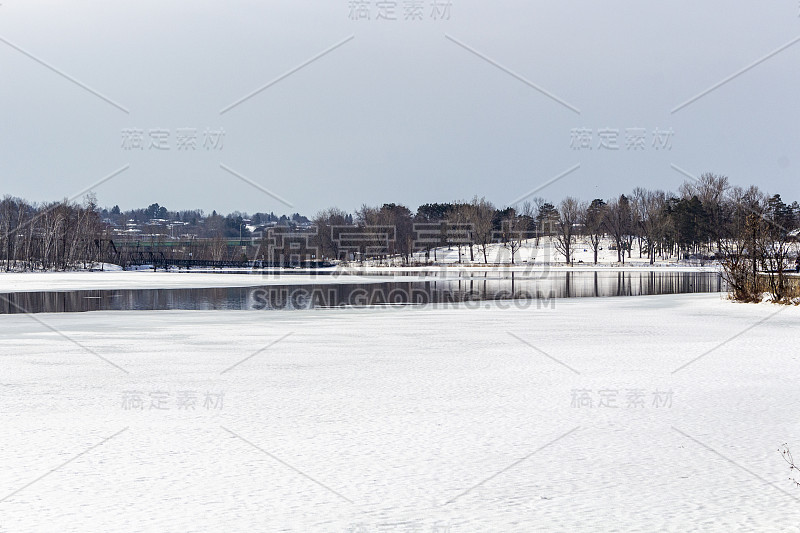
<point x="594" y="221"/>
<point x="618" y="222"/>
<point x="481" y="216"/>
<point x="570" y="214"/>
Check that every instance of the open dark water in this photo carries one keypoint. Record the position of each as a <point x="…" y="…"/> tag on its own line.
<point x="441" y="289"/>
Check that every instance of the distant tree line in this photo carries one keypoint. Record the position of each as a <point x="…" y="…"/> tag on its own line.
<point x="57" y="235"/>
<point x="750" y="232"/>
<point x="152" y="218"/>
<point x="701" y="220"/>
<point x="67" y="235"/>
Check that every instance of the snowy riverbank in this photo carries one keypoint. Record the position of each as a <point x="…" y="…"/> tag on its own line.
<point x="472" y="419"/>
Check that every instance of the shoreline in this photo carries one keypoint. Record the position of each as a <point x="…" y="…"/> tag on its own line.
<point x="17" y="282"/>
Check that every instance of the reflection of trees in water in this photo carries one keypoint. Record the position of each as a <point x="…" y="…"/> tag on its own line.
<point x="461" y="289"/>
<point x="139" y="299"/>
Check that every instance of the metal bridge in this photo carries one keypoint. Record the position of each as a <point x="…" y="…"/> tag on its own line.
<point x="127" y="255"/>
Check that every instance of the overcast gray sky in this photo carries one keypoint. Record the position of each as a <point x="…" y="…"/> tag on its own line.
<point x="492" y="99"/>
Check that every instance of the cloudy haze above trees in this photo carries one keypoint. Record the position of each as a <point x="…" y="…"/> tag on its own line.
<point x="414" y="111"/>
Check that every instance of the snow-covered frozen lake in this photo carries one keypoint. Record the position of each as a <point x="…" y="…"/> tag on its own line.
<point x="655" y="413"/>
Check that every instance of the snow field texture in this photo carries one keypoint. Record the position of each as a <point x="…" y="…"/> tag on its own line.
<point x="403" y="419"/>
